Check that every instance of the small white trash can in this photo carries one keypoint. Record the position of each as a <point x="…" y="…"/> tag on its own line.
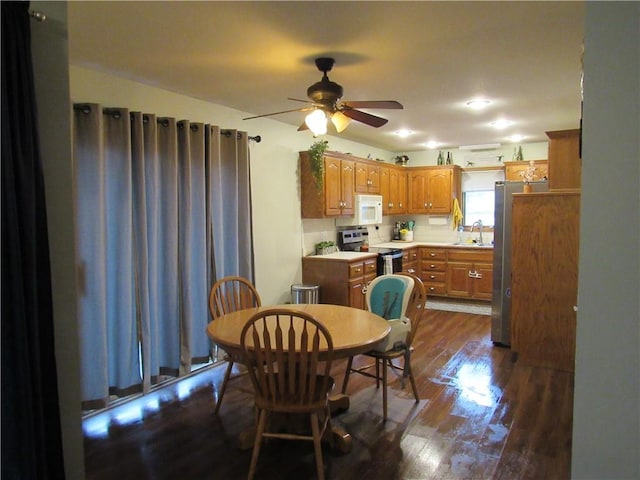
<point x="301" y="293"/>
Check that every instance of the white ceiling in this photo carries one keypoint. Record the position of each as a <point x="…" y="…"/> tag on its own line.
<point x="430" y="56"/>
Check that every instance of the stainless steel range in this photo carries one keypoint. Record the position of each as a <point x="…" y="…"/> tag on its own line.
<point x="357" y="240"/>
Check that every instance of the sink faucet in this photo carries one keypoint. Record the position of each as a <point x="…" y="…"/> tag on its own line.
<point x="479" y="224"/>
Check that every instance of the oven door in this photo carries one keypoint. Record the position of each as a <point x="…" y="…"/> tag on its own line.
<point x="389" y="262"/>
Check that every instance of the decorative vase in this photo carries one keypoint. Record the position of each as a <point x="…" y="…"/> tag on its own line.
<point x="527" y="188"/>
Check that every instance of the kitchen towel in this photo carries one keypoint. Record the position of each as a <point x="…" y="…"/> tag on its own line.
<point x="388" y="265"/>
<point x="457" y="214"/>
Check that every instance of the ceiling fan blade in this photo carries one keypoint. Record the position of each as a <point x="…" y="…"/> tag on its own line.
<point x="303" y="127"/>
<point x="299" y="100"/>
<point x="365" y="118"/>
<point x="278" y="113"/>
<point x="384" y="104"/>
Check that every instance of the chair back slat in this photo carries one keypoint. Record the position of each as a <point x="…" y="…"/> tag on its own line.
<point x="416" y="308"/>
<point x="230" y="294"/>
<point x="289" y="355"/>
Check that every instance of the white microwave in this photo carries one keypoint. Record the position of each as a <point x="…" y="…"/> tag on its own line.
<point x="367" y="211"/>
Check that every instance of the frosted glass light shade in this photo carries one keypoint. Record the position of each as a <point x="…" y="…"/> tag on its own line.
<point x="340" y="121"/>
<point x="317" y="122"/>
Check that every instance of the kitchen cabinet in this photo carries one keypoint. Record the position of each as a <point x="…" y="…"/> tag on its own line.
<point x="512" y="170"/>
<point x="433" y="270"/>
<point x="431" y="189"/>
<point x="393" y="188"/>
<point x="367" y="178"/>
<point x="335" y="196"/>
<point x="470" y="273"/>
<point x="544" y="277"/>
<point x="410" y="258"/>
<point x="341" y="281"/>
<point x="565" y="164"/>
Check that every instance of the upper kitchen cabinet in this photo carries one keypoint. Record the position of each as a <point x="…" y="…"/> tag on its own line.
<point x="432" y="189"/>
<point x="335" y="196"/>
<point x="565" y="164"/>
<point x="393" y="188"/>
<point x="367" y="178"/>
<point x="513" y="170"/>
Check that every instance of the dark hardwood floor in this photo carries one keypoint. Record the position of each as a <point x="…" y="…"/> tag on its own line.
<point x="481" y="415"/>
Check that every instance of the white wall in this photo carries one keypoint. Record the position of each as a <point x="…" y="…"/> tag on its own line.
<point x="606" y="420"/>
<point x="278" y="228"/>
<point x="50" y="65"/>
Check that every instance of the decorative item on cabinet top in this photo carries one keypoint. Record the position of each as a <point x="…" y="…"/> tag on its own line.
<point x="316" y="151"/>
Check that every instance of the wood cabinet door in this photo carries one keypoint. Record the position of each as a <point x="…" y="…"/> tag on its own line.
<point x="385" y="190"/>
<point x="483" y="285"/>
<point x="347" y="172"/>
<point x="459" y="283"/>
<point x="401" y="199"/>
<point x="367" y="178"/>
<point x="439" y="191"/>
<point x="418" y="184"/>
<point x="332" y="186"/>
<point x="513" y="170"/>
<point x="544" y="278"/>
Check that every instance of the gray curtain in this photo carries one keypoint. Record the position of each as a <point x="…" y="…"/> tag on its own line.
<point x="157" y="202"/>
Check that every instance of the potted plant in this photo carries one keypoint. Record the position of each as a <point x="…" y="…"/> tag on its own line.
<point x="528" y="175"/>
<point x="325" y="247"/>
<point x="316" y="152"/>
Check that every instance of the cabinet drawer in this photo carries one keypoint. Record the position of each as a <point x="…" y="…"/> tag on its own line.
<point x="356" y="270"/>
<point x="434" y="277"/>
<point x="427" y="253"/>
<point x="371" y="267"/>
<point x="435" y="288"/>
<point x="473" y="255"/>
<point x="432" y="266"/>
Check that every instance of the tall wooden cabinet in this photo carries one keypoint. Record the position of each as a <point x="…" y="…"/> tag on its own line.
<point x="565" y="164"/>
<point x="544" y="277"/>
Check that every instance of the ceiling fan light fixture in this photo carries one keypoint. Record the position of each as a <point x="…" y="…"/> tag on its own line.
<point x="403" y="133"/>
<point x="501" y="124"/>
<point x="317" y="122"/>
<point x="340" y="121"/>
<point x="515" y="138"/>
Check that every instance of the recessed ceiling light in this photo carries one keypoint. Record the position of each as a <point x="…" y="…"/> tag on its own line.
<point x="515" y="138"/>
<point x="432" y="144"/>
<point x="501" y="124"/>
<point x="478" y="103"/>
<point x="404" y="133"/>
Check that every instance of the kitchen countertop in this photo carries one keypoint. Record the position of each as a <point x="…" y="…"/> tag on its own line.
<point x="345" y="255"/>
<point x="402" y="245"/>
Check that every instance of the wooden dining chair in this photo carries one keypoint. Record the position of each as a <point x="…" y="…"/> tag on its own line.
<point x="288" y="355"/>
<point x="416" y="301"/>
<point x="227" y="295"/>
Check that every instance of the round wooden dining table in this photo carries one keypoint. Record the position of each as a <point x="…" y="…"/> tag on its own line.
<point x="353" y="331"/>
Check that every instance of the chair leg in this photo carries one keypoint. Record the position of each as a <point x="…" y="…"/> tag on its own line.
<point x="223" y="388"/>
<point x="384" y="389"/>
<point x="346" y="375"/>
<point x="413" y="381"/>
<point x="317" y="446"/>
<point x="257" y="443"/>
<point x="377" y="373"/>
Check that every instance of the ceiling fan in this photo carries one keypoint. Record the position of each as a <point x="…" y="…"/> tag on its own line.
<point x="325" y="103"/>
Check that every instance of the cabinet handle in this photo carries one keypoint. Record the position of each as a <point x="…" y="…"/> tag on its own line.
<point x="432" y="266"/>
<point x="426" y="206"/>
<point x="475" y="274"/>
<point x="430" y="204"/>
<point x="432" y="277"/>
<point x="432" y="254"/>
<point x="411" y="270"/>
<point x="431" y="289"/>
<point x="401" y="205"/>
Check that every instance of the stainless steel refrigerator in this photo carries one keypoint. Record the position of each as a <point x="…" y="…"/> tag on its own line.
<point x="501" y="302"/>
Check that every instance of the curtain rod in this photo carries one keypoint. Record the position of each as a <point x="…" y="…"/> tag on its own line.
<point x="115" y="112"/>
<point x="227" y="133"/>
